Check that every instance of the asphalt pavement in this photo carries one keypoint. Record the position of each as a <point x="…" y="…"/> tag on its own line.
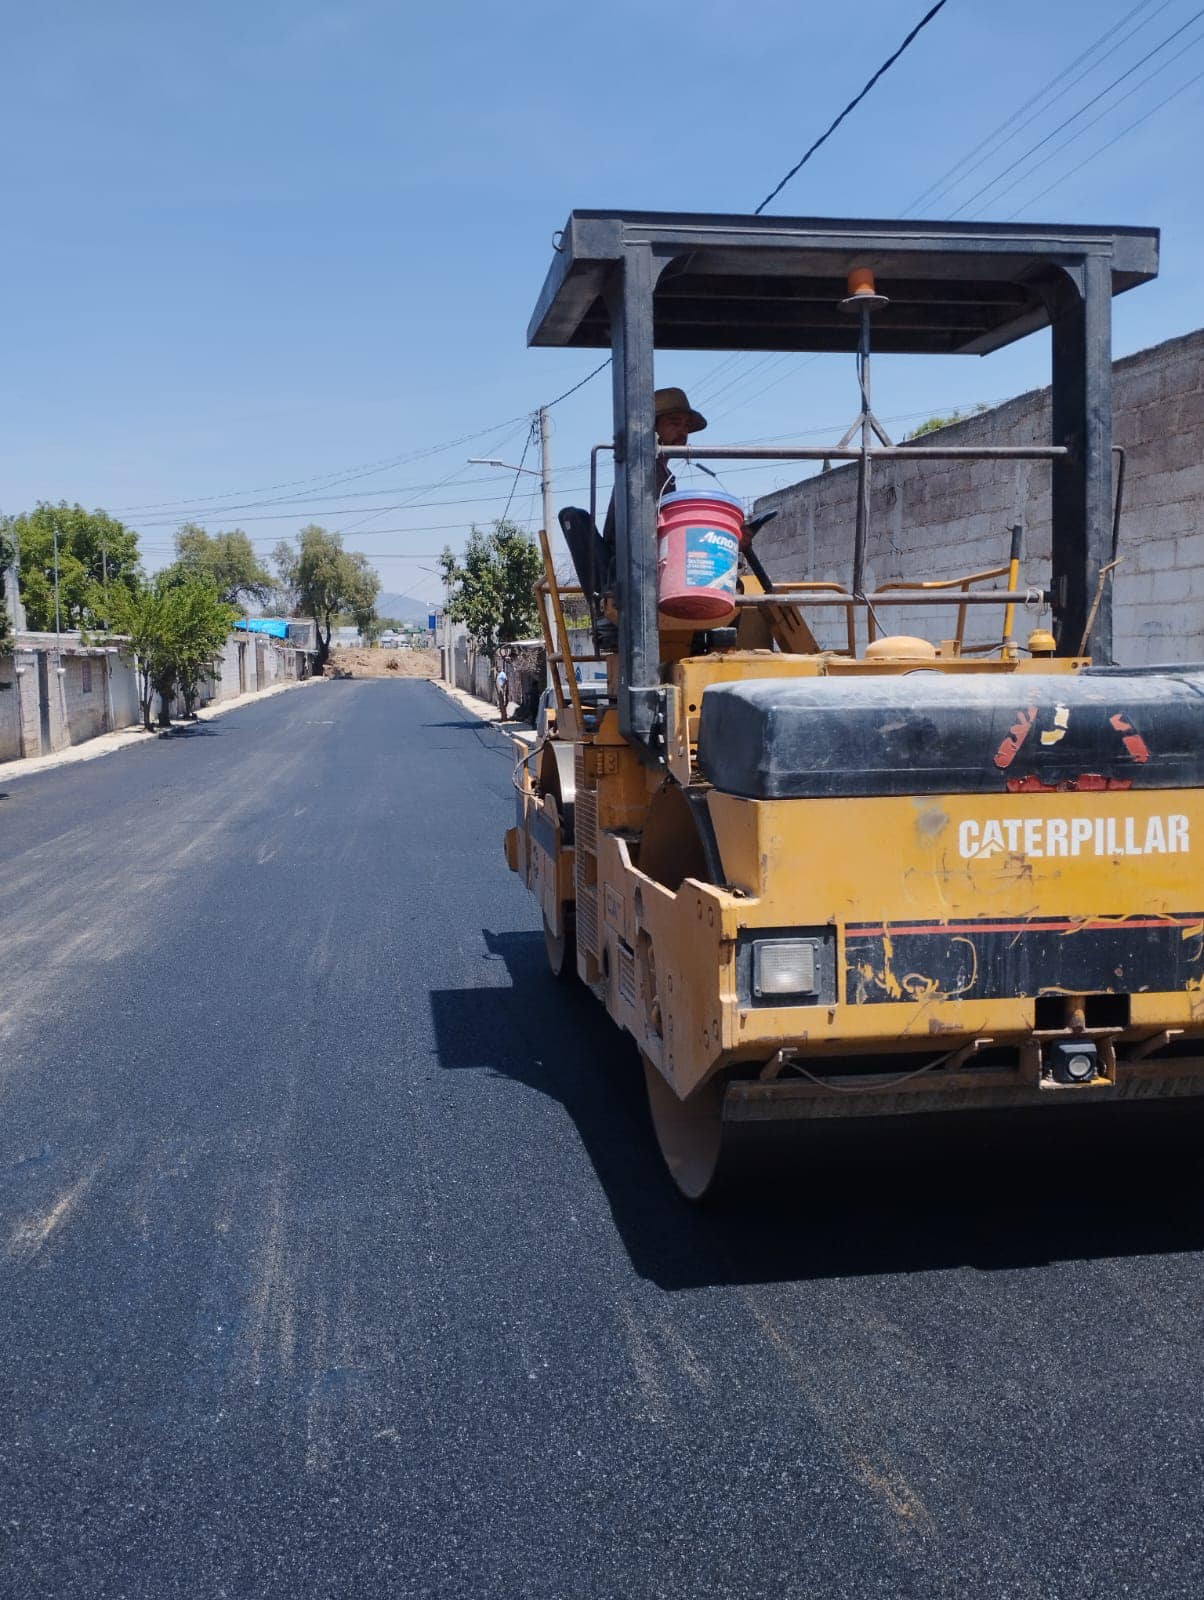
<point x="336" y="1258"/>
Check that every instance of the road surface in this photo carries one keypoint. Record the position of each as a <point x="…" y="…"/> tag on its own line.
<point x="336" y="1258"/>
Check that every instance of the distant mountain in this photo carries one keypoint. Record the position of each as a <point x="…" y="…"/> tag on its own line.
<point x="403" y="607"/>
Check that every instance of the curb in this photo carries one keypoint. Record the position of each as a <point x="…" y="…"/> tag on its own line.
<point x="483" y="711"/>
<point x="107" y="744"/>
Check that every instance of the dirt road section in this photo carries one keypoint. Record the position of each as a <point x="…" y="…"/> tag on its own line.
<point x="357" y="663"/>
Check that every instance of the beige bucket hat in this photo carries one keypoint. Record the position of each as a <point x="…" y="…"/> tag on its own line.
<point x="675" y="400"/>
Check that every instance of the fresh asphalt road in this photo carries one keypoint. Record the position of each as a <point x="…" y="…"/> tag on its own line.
<point x="336" y="1258"/>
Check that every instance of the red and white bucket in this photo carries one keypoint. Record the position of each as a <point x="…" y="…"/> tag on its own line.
<point x="698" y="535"/>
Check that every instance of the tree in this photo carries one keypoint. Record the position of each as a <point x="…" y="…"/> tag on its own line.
<point x="226" y="560"/>
<point x="932" y="424"/>
<point x="322" y="579"/>
<point x="491" y="587"/>
<point x="177" y="630"/>
<point x="201" y="620"/>
<point x="281" y="600"/>
<point x="6" y="630"/>
<point x="97" y="554"/>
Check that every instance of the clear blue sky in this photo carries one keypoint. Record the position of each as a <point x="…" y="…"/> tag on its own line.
<point x="246" y="245"/>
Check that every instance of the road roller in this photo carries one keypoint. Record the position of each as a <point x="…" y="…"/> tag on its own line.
<point x="836" y="854"/>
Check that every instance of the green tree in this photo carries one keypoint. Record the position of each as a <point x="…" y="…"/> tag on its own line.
<point x="6" y="630"/>
<point x="932" y="424"/>
<point x="321" y="579"/>
<point x="226" y="560"/>
<point x="96" y="554"/>
<point x="490" y="589"/>
<point x="177" y="630"/>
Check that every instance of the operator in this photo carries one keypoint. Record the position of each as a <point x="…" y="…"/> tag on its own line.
<point x="675" y="421"/>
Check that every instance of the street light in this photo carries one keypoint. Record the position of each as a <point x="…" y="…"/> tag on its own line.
<point x="545" y="470"/>
<point x="492" y="461"/>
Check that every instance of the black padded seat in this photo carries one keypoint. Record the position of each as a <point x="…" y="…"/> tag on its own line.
<point x="929" y="732"/>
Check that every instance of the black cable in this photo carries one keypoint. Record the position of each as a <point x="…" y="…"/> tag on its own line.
<point x="709" y="395"/>
<point x="522" y="461"/>
<point x="856" y="101"/>
<point x="601" y="367"/>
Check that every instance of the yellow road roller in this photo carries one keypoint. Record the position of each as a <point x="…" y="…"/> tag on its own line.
<point x="824" y="868"/>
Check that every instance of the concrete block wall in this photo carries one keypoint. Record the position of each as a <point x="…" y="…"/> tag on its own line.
<point x="83" y="695"/>
<point x="25" y="664"/>
<point x="939" y="519"/>
<point x="48" y="710"/>
<point x="227" y="680"/>
<point x="10" y="710"/>
<point x="97" y="691"/>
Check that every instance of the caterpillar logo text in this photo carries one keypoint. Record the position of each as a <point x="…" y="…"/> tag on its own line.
<point x="1036" y="837"/>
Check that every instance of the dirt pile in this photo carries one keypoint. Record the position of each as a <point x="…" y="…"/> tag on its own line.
<point x="382" y="664"/>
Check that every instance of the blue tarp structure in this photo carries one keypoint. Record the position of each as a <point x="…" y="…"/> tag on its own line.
<point x="276" y="626"/>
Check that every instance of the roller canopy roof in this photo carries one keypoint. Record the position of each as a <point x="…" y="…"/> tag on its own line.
<point x="773" y="283"/>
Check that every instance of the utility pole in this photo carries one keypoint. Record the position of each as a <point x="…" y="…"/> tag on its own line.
<point x="545" y="463"/>
<point x="60" y="672"/>
<point x="545" y="474"/>
<point x="545" y="483"/>
<point x="58" y="629"/>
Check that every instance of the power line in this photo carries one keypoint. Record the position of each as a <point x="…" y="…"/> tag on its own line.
<point x="367" y="469"/>
<point x="795" y="433"/>
<point x="942" y="185"/>
<point x="1096" y="120"/>
<point x="342" y="475"/>
<point x="601" y="367"/>
<point x="522" y="461"/>
<point x="230" y="507"/>
<point x="747" y="400"/>
<point x="1145" y="117"/>
<point x="1086" y="106"/>
<point x="346" y="475"/>
<point x="709" y="396"/>
<point x="856" y="101"/>
<point x="379" y="555"/>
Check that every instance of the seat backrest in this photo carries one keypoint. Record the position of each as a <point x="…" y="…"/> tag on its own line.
<point x="584" y="541"/>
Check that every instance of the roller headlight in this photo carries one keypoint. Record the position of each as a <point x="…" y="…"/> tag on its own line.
<point x="784" y="967"/>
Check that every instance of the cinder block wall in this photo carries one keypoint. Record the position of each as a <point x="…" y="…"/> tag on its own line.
<point x="10" y="710"/>
<point x="84" y="696"/>
<point x="98" y="692"/>
<point x="938" y="519"/>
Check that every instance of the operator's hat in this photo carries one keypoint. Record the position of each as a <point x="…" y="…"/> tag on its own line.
<point x="675" y="400"/>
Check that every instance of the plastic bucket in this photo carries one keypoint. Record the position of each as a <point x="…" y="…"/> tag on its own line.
<point x="698" y="551"/>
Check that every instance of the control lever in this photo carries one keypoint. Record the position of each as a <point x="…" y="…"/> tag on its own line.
<point x="753" y="525"/>
<point x="752" y="528"/>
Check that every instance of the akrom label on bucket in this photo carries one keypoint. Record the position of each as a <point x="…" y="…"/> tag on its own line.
<point x="711" y="556"/>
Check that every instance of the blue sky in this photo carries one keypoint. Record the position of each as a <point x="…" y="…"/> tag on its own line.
<point x="250" y="245"/>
